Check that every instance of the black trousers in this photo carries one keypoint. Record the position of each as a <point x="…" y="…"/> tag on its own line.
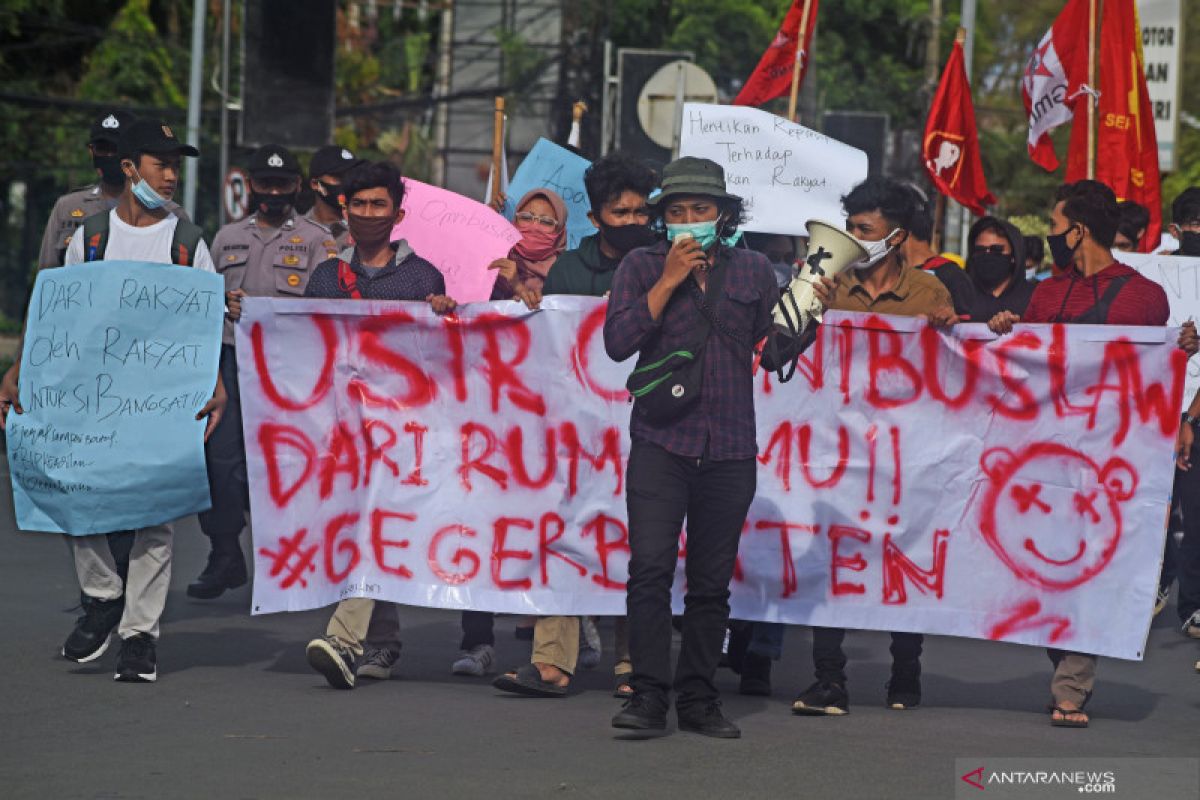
<point x="830" y="660"/>
<point x="662" y="489"/>
<point x="1187" y="555"/>
<point x="477" y="628"/>
<point x="225" y="459"/>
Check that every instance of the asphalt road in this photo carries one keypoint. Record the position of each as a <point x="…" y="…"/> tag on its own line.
<point x="237" y="713"/>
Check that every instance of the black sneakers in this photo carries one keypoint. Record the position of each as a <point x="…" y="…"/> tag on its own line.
<point x="642" y="712"/>
<point x="333" y="661"/>
<point x="89" y="639"/>
<point x="707" y="720"/>
<point x="138" y="662"/>
<point x="904" y="691"/>
<point x="224" y="571"/>
<point x="823" y="699"/>
<point x="756" y="676"/>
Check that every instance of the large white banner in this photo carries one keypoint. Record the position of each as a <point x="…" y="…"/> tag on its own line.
<point x="786" y="173"/>
<point x="1180" y="277"/>
<point x="1010" y="489"/>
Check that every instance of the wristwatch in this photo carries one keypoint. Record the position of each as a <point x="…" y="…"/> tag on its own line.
<point x="1190" y="420"/>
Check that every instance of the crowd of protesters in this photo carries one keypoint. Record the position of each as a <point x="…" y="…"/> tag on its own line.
<point x="671" y="258"/>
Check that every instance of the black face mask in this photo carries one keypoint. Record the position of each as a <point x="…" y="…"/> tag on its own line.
<point x="1189" y="243"/>
<point x="990" y="269"/>
<point x="1062" y="253"/>
<point x="624" y="238"/>
<point x="272" y="205"/>
<point x="330" y="195"/>
<point x="110" y="169"/>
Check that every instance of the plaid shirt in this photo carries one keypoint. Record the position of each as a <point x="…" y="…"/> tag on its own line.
<point x="720" y="425"/>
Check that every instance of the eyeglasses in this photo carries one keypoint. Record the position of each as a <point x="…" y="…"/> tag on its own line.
<point x="994" y="249"/>
<point x="550" y="223"/>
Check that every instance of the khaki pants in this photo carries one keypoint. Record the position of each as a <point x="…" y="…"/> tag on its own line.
<point x="361" y="619"/>
<point x="1074" y="676"/>
<point x="145" y="588"/>
<point x="556" y="642"/>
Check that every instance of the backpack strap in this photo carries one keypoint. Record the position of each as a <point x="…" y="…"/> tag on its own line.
<point x="184" y="242"/>
<point x="347" y="280"/>
<point x="95" y="236"/>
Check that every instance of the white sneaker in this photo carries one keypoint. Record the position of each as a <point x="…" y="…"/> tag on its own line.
<point x="377" y="664"/>
<point x="475" y="662"/>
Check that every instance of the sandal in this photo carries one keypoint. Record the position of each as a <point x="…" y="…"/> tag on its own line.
<point x="1068" y="723"/>
<point x="623" y="689"/>
<point x="528" y="681"/>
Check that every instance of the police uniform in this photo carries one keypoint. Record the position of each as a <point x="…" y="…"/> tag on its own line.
<point x="72" y="209"/>
<point x="262" y="261"/>
<point x="337" y="161"/>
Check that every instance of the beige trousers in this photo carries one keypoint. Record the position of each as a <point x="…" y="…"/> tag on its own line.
<point x="360" y="619"/>
<point x="145" y="589"/>
<point x="1074" y="676"/>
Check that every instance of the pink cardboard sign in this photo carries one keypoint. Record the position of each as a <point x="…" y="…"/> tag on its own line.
<point x="456" y="234"/>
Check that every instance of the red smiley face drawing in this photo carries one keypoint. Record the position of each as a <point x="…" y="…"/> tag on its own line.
<point x="1051" y="514"/>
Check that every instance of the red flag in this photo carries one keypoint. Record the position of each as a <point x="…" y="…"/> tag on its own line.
<point x="773" y="76"/>
<point x="1126" y="144"/>
<point x="1053" y="76"/>
<point x="951" y="149"/>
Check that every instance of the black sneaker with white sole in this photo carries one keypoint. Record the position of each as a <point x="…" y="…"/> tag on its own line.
<point x="138" y="662"/>
<point x="333" y="661"/>
<point x="89" y="639"/>
<point x="822" y="699"/>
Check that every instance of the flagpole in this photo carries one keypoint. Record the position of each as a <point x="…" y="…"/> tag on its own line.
<point x="798" y="65"/>
<point x="497" y="149"/>
<point x="1091" y="99"/>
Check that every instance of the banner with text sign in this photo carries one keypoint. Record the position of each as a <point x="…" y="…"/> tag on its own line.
<point x="118" y="358"/>
<point x="1180" y="277"/>
<point x="1012" y="489"/>
<point x="786" y="173"/>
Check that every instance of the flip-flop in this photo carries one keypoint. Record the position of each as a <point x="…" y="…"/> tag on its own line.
<point x="528" y="681"/>
<point x="623" y="689"/>
<point x="1068" y="723"/>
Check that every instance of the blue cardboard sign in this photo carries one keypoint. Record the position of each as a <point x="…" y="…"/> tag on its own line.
<point x="549" y="166"/>
<point x="118" y="358"/>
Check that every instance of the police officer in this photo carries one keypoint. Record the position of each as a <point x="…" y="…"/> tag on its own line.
<point x="326" y="169"/>
<point x="271" y="253"/>
<point x="73" y="208"/>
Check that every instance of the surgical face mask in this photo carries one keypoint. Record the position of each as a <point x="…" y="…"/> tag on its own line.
<point x="110" y="169"/>
<point x="876" y="251"/>
<point x="145" y="194"/>
<point x="705" y="233"/>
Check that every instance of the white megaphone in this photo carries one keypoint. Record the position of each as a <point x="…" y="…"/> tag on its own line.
<point x="830" y="250"/>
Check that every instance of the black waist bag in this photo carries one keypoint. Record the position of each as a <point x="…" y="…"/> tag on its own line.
<point x="669" y="383"/>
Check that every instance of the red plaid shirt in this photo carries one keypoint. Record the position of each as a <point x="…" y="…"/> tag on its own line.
<point x="720" y="424"/>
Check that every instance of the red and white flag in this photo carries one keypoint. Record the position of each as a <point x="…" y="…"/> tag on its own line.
<point x="1053" y="77"/>
<point x="951" y="148"/>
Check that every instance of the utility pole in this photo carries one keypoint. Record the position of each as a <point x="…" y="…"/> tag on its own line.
<point x="226" y="14"/>
<point x="191" y="175"/>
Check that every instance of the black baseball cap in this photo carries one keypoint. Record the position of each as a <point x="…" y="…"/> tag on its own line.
<point x="108" y="126"/>
<point x="152" y="136"/>
<point x="332" y="160"/>
<point x="273" y="161"/>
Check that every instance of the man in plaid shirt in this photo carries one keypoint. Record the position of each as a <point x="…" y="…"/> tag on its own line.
<point x="701" y="464"/>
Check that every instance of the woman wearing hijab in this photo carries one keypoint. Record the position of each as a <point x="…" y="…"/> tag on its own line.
<point x="541" y="219"/>
<point x="996" y="265"/>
